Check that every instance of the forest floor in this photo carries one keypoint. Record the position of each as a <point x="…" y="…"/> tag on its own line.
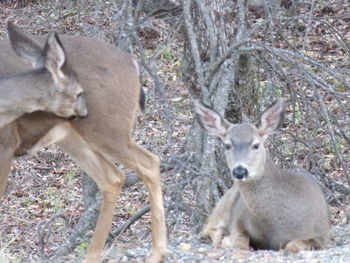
<point x="192" y="250"/>
<point x="50" y="183"/>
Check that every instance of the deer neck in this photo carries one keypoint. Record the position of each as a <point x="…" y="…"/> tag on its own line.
<point x="258" y="192"/>
<point x="15" y="96"/>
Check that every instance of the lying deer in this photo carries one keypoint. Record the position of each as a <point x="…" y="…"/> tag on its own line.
<point x="111" y="83"/>
<point x="266" y="208"/>
<point x="47" y="87"/>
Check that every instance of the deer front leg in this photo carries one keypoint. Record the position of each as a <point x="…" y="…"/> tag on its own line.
<point x="216" y="234"/>
<point x="238" y="240"/>
<point x="219" y="219"/>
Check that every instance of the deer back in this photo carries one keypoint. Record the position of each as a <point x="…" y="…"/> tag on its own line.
<point x="110" y="81"/>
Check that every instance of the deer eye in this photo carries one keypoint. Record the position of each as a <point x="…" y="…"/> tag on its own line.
<point x="255" y="146"/>
<point x="228" y="146"/>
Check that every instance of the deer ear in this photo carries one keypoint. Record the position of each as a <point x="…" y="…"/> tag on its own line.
<point x="271" y="119"/>
<point x="210" y="120"/>
<point x="55" y="56"/>
<point x="25" y="46"/>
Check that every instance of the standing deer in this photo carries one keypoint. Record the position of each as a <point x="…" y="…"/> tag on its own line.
<point x="47" y="87"/>
<point x="111" y="83"/>
<point x="266" y="208"/>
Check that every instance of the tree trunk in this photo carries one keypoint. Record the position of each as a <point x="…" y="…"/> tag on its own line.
<point x="210" y="31"/>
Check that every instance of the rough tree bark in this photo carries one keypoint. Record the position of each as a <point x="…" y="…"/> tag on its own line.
<point x="212" y="27"/>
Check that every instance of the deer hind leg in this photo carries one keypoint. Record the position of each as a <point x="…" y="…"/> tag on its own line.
<point x="108" y="177"/>
<point x="299" y="245"/>
<point x="146" y="165"/>
<point x="6" y="157"/>
<point x="9" y="142"/>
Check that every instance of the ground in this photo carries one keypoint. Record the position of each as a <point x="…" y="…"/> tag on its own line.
<point x="191" y="250"/>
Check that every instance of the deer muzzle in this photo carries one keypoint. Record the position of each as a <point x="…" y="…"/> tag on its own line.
<point x="81" y="108"/>
<point x="240" y="173"/>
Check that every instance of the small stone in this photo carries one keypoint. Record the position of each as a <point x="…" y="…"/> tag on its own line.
<point x="185" y="246"/>
<point x="201" y="249"/>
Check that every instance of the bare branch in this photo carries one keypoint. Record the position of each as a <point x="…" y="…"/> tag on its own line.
<point x="312" y="9"/>
<point x="283" y="53"/>
<point x="194" y="44"/>
<point x="332" y="136"/>
<point x="137" y="11"/>
<point x="44" y="232"/>
<point x="87" y="221"/>
<point x="116" y="233"/>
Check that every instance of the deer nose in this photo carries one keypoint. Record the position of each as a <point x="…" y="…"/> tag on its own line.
<point x="81" y="108"/>
<point x="240" y="172"/>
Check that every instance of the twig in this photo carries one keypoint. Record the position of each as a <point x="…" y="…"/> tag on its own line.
<point x="137" y="11"/>
<point x="339" y="35"/>
<point x="87" y="221"/>
<point x="331" y="133"/>
<point x="44" y="167"/>
<point x="284" y="54"/>
<point x="116" y="233"/>
<point x="313" y="62"/>
<point x="309" y="24"/>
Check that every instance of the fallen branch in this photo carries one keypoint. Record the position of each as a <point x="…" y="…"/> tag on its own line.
<point x="44" y="232"/>
<point x="116" y="233"/>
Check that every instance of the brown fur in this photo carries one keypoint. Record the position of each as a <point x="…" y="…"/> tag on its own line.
<point x="111" y="84"/>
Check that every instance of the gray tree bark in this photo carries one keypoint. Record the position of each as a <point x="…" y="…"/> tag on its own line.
<point x="212" y="27"/>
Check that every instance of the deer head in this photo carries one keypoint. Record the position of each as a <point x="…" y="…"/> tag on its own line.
<point x="52" y="83"/>
<point x="244" y="143"/>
